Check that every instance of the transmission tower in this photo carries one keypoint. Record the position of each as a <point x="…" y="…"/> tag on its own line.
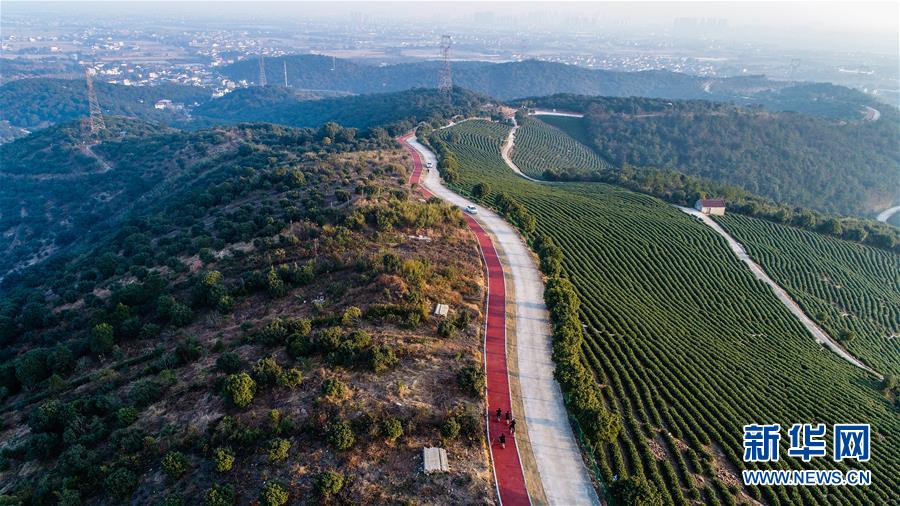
<point x="262" y="70"/>
<point x="96" y="119"/>
<point x="795" y="64"/>
<point x="286" y="85"/>
<point x="445" y="82"/>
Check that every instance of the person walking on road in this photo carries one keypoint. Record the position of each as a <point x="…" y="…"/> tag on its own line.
<point x="512" y="427"/>
<point x="508" y="417"/>
<point x="499" y="414"/>
<point x="503" y="441"/>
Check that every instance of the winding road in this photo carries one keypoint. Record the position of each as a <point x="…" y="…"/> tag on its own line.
<point x="885" y="215"/>
<point x="818" y="334"/>
<point x="564" y="478"/>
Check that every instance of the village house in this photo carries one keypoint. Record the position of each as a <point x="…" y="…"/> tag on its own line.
<point x="711" y="206"/>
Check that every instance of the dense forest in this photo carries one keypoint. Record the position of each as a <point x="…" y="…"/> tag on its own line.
<point x="255" y="328"/>
<point x="35" y="103"/>
<point x="529" y="78"/>
<point x="397" y="111"/>
<point x="837" y="167"/>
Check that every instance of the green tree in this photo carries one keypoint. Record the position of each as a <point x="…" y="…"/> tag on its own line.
<point x="223" y="458"/>
<point x="102" y="338"/>
<point x="278" y="449"/>
<point x="329" y="483"/>
<point x="175" y="464"/>
<point x="392" y="428"/>
<point x="340" y="435"/>
<point x="120" y="483"/>
<point x="220" y="495"/>
<point x="273" y="494"/>
<point x="240" y="388"/>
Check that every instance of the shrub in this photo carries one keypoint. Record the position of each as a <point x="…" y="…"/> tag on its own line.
<point x="635" y="490"/>
<point x="102" y="338"/>
<point x="172" y="500"/>
<point x="240" y="388"/>
<point x="392" y="428"/>
<point x="450" y="429"/>
<point x="31" y="367"/>
<point x="126" y="416"/>
<point x="229" y="362"/>
<point x="351" y="316"/>
<point x="334" y="388"/>
<point x="340" y="435"/>
<point x="273" y="494"/>
<point x="120" y="483"/>
<point x="174" y="464"/>
<point x="266" y="371"/>
<point x="188" y="350"/>
<point x="329" y="483"/>
<point x="446" y="328"/>
<point x="471" y="379"/>
<point x="51" y="416"/>
<point x="223" y="458"/>
<point x="219" y="495"/>
<point x="291" y="378"/>
<point x="278" y="449"/>
<point x="382" y="358"/>
<point x="145" y="392"/>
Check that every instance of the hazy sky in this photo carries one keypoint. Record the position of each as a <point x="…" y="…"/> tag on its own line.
<point x="865" y="19"/>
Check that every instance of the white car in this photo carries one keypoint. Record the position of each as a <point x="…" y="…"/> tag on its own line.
<point x="429" y="165"/>
<point x="471" y="209"/>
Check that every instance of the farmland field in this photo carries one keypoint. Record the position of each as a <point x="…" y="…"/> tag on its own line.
<point x="540" y="147"/>
<point x="686" y="344"/>
<point x="845" y="287"/>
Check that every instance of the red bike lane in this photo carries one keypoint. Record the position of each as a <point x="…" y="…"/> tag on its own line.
<point x="508" y="472"/>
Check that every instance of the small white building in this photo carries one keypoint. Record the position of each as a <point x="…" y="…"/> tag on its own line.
<point x="441" y="309"/>
<point x="434" y="460"/>
<point x="715" y="207"/>
<point x="163" y="104"/>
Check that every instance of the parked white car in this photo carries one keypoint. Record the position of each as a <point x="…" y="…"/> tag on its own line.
<point x="429" y="165"/>
<point x="471" y="209"/>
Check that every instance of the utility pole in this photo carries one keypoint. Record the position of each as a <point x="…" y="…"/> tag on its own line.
<point x="445" y="80"/>
<point x="286" y="85"/>
<point x="96" y="115"/>
<point x="332" y="62"/>
<point x="262" y="70"/>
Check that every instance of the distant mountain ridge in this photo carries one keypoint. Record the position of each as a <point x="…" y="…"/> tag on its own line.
<point x="528" y="78"/>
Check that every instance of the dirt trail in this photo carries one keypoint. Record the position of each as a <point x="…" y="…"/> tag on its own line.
<point x="820" y="335"/>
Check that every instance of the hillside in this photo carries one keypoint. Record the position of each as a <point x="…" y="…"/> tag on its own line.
<point x="681" y="340"/>
<point x="850" y="290"/>
<point x="790" y="158"/>
<point x="52" y="191"/>
<point x="400" y="111"/>
<point x="39" y="102"/>
<point x="257" y="327"/>
<point x="531" y="78"/>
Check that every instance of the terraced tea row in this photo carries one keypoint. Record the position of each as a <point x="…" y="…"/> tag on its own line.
<point x="849" y="289"/>
<point x="545" y="152"/>
<point x="687" y="346"/>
